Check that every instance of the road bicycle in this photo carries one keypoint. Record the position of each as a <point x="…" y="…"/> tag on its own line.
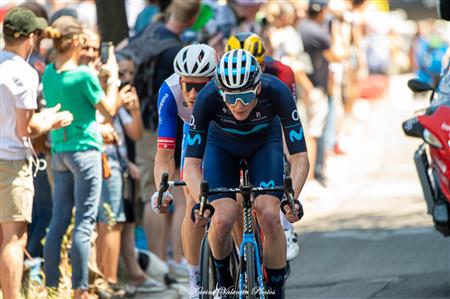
<point x="247" y="264"/>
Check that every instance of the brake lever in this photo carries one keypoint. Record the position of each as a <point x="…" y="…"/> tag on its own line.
<point x="163" y="187"/>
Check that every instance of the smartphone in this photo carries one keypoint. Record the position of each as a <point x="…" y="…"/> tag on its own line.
<point x="124" y="83"/>
<point x="104" y="51"/>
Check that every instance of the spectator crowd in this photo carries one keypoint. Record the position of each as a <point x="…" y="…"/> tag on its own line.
<point x="79" y="120"/>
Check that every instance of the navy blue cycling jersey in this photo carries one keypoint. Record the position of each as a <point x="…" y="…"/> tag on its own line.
<point x="274" y="100"/>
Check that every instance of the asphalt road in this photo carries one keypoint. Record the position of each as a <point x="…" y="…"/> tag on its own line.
<point x="370" y="237"/>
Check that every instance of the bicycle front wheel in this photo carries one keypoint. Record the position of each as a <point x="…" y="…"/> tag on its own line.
<point x="251" y="283"/>
<point x="207" y="271"/>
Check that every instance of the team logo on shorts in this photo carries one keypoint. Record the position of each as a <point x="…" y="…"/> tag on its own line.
<point x="269" y="184"/>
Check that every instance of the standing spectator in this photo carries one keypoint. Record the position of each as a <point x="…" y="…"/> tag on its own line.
<point x="90" y="51"/>
<point x="137" y="277"/>
<point x="42" y="201"/>
<point x="158" y="61"/>
<point x="18" y="123"/>
<point x="322" y="50"/>
<point x="76" y="160"/>
<point x="111" y="212"/>
<point x="286" y="42"/>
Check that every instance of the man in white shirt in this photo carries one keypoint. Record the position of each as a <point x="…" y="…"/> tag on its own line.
<point x="18" y="123"/>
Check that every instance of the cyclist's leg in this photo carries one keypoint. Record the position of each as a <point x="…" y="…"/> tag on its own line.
<point x="221" y="170"/>
<point x="155" y="225"/>
<point x="266" y="169"/>
<point x="178" y="263"/>
<point x="191" y="235"/>
<point x="292" y="247"/>
<point x="238" y="227"/>
<point x="191" y="238"/>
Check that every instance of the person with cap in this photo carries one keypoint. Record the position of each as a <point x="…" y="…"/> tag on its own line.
<point x="323" y="50"/>
<point x="42" y="201"/>
<point x="19" y="123"/>
<point x="76" y="150"/>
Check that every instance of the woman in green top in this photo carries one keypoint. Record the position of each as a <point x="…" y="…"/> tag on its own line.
<point x="76" y="156"/>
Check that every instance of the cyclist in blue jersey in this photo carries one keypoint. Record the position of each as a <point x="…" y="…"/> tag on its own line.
<point x="237" y="116"/>
<point x="194" y="67"/>
<point x="252" y="42"/>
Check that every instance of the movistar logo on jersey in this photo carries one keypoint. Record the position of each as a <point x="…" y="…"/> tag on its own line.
<point x="296" y="136"/>
<point x="196" y="139"/>
<point x="269" y="184"/>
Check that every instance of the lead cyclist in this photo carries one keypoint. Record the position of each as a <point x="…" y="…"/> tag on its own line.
<point x="237" y="116"/>
<point x="252" y="42"/>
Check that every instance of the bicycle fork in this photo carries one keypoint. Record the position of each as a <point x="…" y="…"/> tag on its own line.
<point x="249" y="237"/>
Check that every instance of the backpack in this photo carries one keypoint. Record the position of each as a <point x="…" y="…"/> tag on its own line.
<point x="144" y="52"/>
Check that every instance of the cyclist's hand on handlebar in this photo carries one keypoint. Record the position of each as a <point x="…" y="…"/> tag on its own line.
<point x="202" y="220"/>
<point x="290" y="216"/>
<point x="166" y="201"/>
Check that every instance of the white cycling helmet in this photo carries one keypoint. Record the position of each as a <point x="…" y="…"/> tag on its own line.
<point x="238" y="70"/>
<point x="197" y="60"/>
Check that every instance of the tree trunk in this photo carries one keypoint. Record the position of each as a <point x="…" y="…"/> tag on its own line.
<point x="112" y="20"/>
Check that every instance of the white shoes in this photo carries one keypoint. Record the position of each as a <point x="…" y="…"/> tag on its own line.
<point x="151" y="263"/>
<point x="292" y="248"/>
<point x="180" y="270"/>
<point x="150" y="285"/>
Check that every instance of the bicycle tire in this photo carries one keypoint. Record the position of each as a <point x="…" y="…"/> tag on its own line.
<point x="251" y="281"/>
<point x="259" y="241"/>
<point x="207" y="272"/>
<point x="234" y="263"/>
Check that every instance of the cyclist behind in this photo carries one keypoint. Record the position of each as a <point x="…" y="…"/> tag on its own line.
<point x="194" y="67"/>
<point x="252" y="42"/>
<point x="237" y="116"/>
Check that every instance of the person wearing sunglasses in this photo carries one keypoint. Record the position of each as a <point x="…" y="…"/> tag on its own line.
<point x="194" y="67"/>
<point x="253" y="43"/>
<point x="240" y="115"/>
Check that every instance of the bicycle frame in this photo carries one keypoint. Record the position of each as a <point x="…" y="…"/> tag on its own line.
<point x="249" y="237"/>
<point x="247" y="191"/>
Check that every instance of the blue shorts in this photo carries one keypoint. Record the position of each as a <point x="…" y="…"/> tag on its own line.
<point x="263" y="153"/>
<point x="112" y="194"/>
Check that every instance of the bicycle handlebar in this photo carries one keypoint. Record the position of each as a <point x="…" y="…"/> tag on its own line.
<point x="205" y="192"/>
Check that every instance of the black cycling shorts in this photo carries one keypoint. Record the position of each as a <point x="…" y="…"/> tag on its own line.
<point x="263" y="153"/>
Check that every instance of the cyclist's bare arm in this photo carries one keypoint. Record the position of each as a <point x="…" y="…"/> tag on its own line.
<point x="164" y="162"/>
<point x="193" y="176"/>
<point x="299" y="171"/>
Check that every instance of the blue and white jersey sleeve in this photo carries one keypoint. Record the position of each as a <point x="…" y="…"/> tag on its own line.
<point x="167" y="118"/>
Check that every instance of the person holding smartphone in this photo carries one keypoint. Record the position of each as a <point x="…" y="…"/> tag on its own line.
<point x="76" y="149"/>
<point x="111" y="215"/>
<point x="18" y="124"/>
